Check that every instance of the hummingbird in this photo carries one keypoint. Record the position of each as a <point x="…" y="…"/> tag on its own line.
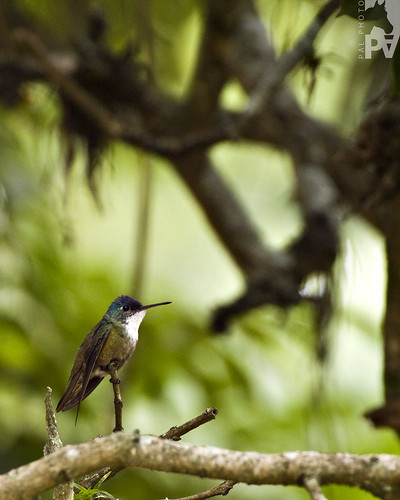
<point x="113" y="339"/>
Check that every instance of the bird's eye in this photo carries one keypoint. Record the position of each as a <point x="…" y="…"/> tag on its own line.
<point x="125" y="307"/>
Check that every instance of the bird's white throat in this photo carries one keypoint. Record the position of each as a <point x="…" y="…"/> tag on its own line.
<point x="132" y="325"/>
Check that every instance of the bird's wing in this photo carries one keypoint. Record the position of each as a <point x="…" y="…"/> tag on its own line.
<point x="81" y="384"/>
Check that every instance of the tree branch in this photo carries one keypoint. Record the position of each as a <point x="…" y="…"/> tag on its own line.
<point x="176" y="432"/>
<point x="234" y="45"/>
<point x="82" y="98"/>
<point x="221" y="489"/>
<point x="309" y="143"/>
<point x="272" y="78"/>
<point x="311" y="484"/>
<point x="378" y="474"/>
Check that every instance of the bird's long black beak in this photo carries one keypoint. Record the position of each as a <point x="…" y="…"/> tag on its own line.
<point x="143" y="308"/>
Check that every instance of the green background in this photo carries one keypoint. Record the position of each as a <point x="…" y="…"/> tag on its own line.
<point x="64" y="258"/>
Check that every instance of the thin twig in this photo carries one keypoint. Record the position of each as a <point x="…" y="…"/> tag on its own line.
<point x="176" y="432"/>
<point x="221" y="489"/>
<point x="118" y="404"/>
<point x="53" y="437"/>
<point x="91" y="479"/>
<point x="64" y="491"/>
<point x="311" y="484"/>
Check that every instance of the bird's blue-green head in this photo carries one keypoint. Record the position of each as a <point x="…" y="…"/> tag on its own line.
<point x="124" y="307"/>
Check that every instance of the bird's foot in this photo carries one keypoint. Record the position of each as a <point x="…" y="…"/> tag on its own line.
<point x="112" y="369"/>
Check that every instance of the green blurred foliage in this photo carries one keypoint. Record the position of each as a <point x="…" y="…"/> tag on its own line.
<point x="62" y="261"/>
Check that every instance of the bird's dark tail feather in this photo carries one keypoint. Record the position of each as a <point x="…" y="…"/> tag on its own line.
<point x="77" y="398"/>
